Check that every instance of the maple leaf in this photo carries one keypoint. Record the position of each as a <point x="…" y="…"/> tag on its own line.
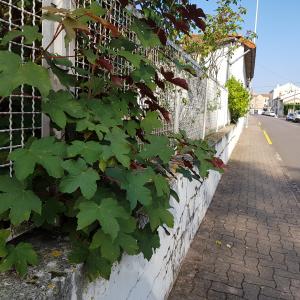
<point x="151" y="122"/>
<point x="119" y="146"/>
<point x="19" y="201"/>
<point x="30" y="34"/>
<point x="158" y="147"/>
<point x="46" y="152"/>
<point x="134" y="183"/>
<point x="148" y="241"/>
<point x="106" y="213"/>
<point x="15" y="73"/>
<point x="51" y="209"/>
<point x="20" y="257"/>
<point x="61" y="104"/>
<point x="90" y="151"/>
<point x="70" y="26"/>
<point x="169" y="76"/>
<point x="80" y="176"/>
<point x="111" y="249"/>
<point x="159" y="215"/>
<point x="145" y="34"/>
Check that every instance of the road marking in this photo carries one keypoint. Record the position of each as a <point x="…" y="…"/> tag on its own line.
<point x="267" y="137"/>
<point x="259" y="124"/>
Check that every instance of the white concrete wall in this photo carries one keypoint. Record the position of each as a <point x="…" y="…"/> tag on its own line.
<point x="237" y="69"/>
<point x="137" y="279"/>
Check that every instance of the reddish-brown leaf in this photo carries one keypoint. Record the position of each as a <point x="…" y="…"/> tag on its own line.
<point x="187" y="164"/>
<point x="105" y="64"/>
<point x="218" y="163"/>
<point x="118" y="81"/>
<point x="180" y="82"/>
<point x="146" y="91"/>
<point x="159" y="82"/>
<point x="155" y="106"/>
<point x="182" y="26"/>
<point x="195" y="12"/>
<point x="200" y="24"/>
<point x="123" y="2"/>
<point x="169" y="75"/>
<point x="114" y="30"/>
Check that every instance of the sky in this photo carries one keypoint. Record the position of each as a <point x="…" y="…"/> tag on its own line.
<point x="278" y="42"/>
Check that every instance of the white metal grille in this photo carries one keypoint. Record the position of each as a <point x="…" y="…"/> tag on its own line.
<point x="199" y="111"/>
<point x="20" y="115"/>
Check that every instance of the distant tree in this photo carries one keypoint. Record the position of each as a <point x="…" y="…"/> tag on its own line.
<point x="238" y="99"/>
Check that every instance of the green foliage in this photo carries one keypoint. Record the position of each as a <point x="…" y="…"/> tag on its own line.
<point x="46" y="152"/>
<point x="290" y="107"/>
<point x="30" y="33"/>
<point x="238" y="99"/>
<point x="109" y="169"/>
<point x="19" y="201"/>
<point x="19" y="257"/>
<point x="14" y="74"/>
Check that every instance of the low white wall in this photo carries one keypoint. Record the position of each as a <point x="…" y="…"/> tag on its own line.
<point x="137" y="279"/>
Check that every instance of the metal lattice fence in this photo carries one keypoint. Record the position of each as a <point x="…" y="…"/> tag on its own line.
<point x="199" y="111"/>
<point x="20" y="115"/>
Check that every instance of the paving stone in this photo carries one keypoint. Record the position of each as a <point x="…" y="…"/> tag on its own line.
<point x="255" y="215"/>
<point x="251" y="291"/>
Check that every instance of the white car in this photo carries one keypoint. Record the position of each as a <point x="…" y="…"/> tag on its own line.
<point x="270" y="113"/>
<point x="297" y="116"/>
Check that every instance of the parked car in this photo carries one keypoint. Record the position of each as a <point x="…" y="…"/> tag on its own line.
<point x="297" y="116"/>
<point x="290" y="117"/>
<point x="269" y="113"/>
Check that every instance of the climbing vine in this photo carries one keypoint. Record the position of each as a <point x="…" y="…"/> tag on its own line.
<point x="102" y="176"/>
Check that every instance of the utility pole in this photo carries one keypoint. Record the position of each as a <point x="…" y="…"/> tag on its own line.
<point x="294" y="101"/>
<point x="256" y="19"/>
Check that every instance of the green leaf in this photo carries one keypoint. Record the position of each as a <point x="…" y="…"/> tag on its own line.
<point x="134" y="59"/>
<point x="4" y="234"/>
<point x="106" y="213"/>
<point x="20" y="202"/>
<point x="90" y="55"/>
<point x="119" y="146"/>
<point x="151" y="122"/>
<point x="61" y="104"/>
<point x="159" y="146"/>
<point x="85" y="124"/>
<point x="80" y="176"/>
<point x="134" y="182"/>
<point x="162" y="186"/>
<point x="111" y="249"/>
<point x="13" y="73"/>
<point x="90" y="151"/>
<point x="148" y="241"/>
<point x="71" y="25"/>
<point x="51" y="210"/>
<point x="122" y="43"/>
<point x="204" y="165"/>
<point x="145" y="34"/>
<point x="159" y="216"/>
<point x="65" y="78"/>
<point x="20" y="257"/>
<point x="97" y="266"/>
<point x="79" y="252"/>
<point x="45" y="152"/>
<point x="144" y="73"/>
<point x="30" y="33"/>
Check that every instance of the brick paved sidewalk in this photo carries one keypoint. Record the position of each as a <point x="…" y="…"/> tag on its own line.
<point x="248" y="246"/>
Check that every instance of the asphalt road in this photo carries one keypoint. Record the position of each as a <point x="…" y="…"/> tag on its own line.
<point x="285" y="138"/>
